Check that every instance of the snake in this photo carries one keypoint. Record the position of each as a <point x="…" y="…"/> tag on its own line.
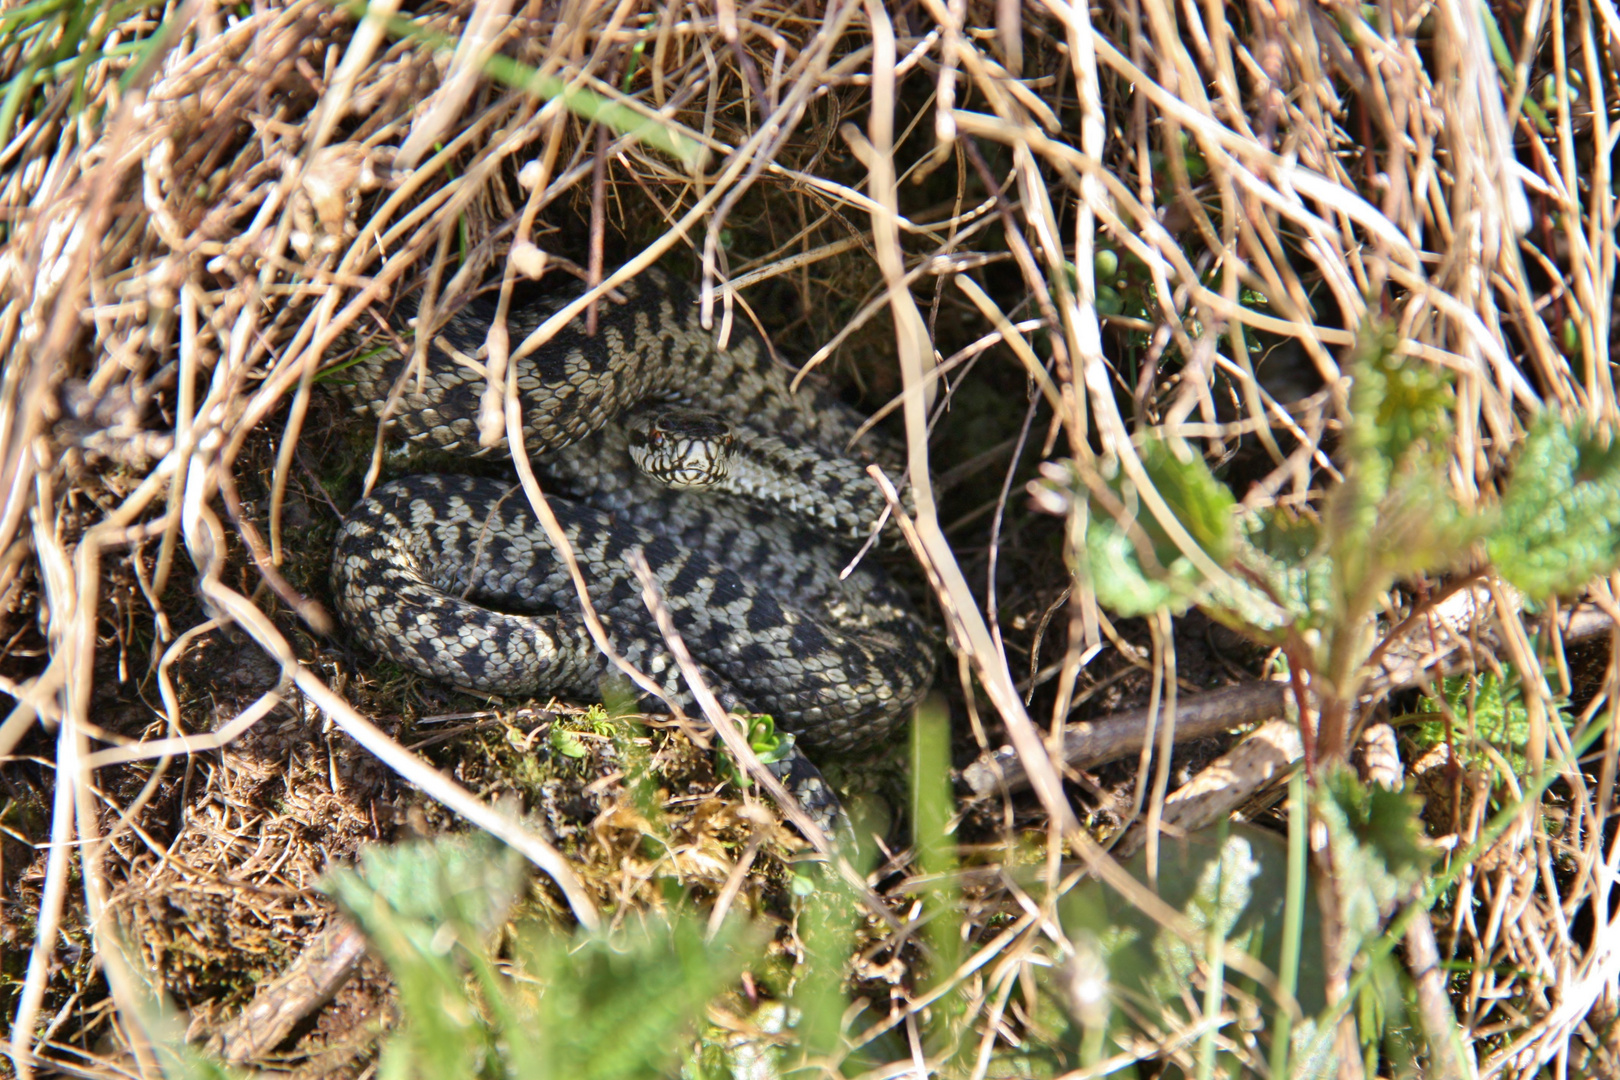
<point x="742" y="494"/>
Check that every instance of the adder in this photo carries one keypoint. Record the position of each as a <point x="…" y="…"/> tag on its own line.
<point x="740" y="493"/>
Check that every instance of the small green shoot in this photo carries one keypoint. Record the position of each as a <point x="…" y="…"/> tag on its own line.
<point x="770" y="745"/>
<point x="931" y="811"/>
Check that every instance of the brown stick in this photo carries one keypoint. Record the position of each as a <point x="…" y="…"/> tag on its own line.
<point x="1109" y="738"/>
<point x="1118" y="735"/>
<point x="319" y="972"/>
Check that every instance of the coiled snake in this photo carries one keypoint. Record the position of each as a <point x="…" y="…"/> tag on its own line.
<point x="746" y="506"/>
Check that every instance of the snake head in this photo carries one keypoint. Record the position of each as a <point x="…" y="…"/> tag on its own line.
<point x="681" y="447"/>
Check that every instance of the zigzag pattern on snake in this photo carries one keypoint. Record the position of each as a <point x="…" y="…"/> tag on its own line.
<point x="452" y="577"/>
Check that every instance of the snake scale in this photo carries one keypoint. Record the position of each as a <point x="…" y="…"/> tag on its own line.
<point x="452" y="577"/>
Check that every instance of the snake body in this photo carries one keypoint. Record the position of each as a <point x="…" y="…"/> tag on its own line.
<point x="452" y="577"/>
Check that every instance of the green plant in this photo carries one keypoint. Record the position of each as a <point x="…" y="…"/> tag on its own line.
<point x="613" y="1005"/>
<point x="1495" y="705"/>
<point x="481" y="998"/>
<point x="1313" y="585"/>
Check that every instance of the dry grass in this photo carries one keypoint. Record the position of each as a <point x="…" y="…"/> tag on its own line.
<point x="203" y="205"/>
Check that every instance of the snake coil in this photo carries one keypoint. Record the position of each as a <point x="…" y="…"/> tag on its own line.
<point x="452" y="577"/>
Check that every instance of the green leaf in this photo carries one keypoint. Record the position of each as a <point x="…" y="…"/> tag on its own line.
<point x="1559" y="524"/>
<point x="1200" y="502"/>
<point x="425" y="907"/>
<point x="1121" y="584"/>
<point x="1394" y="514"/>
<point x="763" y="738"/>
<point x="1290" y="554"/>
<point x="615" y="1008"/>
<point x="1413" y="403"/>
<point x="1500" y="717"/>
<point x="568" y="743"/>
<point x="770" y="745"/>
<point x="616" y="1005"/>
<point x="468" y="880"/>
<point x="1113" y="560"/>
<point x="1379" y="850"/>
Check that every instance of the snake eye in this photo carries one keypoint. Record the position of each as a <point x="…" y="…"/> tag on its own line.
<point x="656" y="437"/>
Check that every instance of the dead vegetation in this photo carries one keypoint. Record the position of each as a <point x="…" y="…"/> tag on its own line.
<point x="1020" y="232"/>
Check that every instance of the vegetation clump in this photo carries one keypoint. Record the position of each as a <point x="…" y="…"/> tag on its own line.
<point x="1252" y="364"/>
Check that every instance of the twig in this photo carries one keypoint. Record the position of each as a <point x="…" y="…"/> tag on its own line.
<point x="1096" y="742"/>
<point x="723" y="725"/>
<point x="278" y="1006"/>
